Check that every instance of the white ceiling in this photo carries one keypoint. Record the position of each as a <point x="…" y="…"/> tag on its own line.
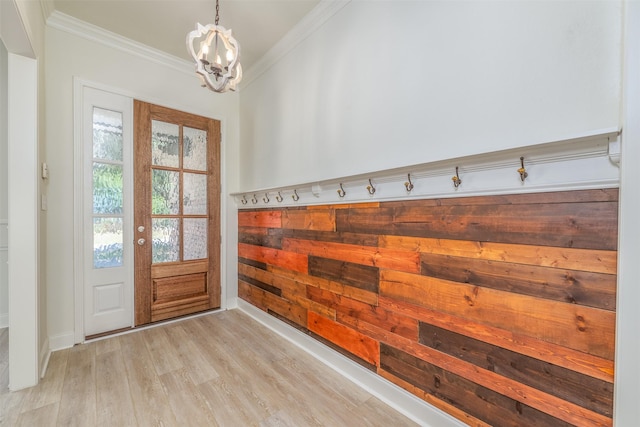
<point x="163" y="24"/>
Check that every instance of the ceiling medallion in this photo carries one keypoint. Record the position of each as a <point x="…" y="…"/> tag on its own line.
<point x="218" y="55"/>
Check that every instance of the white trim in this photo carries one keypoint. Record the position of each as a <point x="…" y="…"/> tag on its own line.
<point x="62" y="341"/>
<point x="626" y="411"/>
<point x="4" y="320"/>
<point x="399" y="399"/>
<point x="581" y="162"/>
<point x="23" y="215"/>
<point x="71" y="25"/>
<point x="45" y="354"/>
<point x="303" y="29"/>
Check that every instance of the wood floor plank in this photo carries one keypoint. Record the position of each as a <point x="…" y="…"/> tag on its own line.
<point x="150" y="402"/>
<point x="43" y="416"/>
<point x="187" y="403"/>
<point x="114" y="402"/>
<point x="193" y="359"/>
<point x="49" y="390"/>
<point x="78" y="400"/>
<point x="250" y="377"/>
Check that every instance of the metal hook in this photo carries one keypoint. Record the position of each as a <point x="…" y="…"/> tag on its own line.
<point x="279" y="197"/>
<point x="244" y="200"/>
<point x="370" y="188"/>
<point x="266" y="198"/>
<point x="254" y="199"/>
<point x="295" y="196"/>
<point x="341" y="191"/>
<point x="456" y="179"/>
<point x="522" y="171"/>
<point x="408" y="185"/>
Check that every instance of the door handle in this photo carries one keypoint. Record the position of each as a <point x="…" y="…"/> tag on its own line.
<point x="141" y="241"/>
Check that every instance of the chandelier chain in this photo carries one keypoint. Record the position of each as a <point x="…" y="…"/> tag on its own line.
<point x="217" y="12"/>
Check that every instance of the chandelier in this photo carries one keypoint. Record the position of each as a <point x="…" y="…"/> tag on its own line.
<point x="217" y="55"/>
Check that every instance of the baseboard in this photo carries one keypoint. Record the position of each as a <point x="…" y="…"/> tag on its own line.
<point x="4" y="320"/>
<point x="45" y="353"/>
<point x="394" y="396"/>
<point x="61" y="341"/>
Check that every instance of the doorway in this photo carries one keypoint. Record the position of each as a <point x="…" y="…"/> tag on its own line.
<point x="150" y="209"/>
<point x="177" y="213"/>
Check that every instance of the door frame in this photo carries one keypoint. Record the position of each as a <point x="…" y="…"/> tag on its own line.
<point x="78" y="234"/>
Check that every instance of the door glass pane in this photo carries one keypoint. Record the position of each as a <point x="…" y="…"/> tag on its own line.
<point x="195" y="194"/>
<point x="107" y="242"/>
<point x="194" y="149"/>
<point x="107" y="134"/>
<point x="165" y="144"/>
<point x="195" y="238"/>
<point x="165" y="192"/>
<point x="107" y="188"/>
<point x="165" y="234"/>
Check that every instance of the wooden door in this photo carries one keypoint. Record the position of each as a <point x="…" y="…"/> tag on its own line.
<point x="176" y="213"/>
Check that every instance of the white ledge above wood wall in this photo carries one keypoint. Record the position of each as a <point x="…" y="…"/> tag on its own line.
<point x="584" y="162"/>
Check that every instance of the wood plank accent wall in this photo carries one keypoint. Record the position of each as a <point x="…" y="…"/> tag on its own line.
<point x="500" y="310"/>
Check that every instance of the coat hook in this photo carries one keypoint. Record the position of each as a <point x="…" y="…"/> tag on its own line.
<point x="279" y="197"/>
<point x="341" y="191"/>
<point x="266" y="198"/>
<point x="522" y="171"/>
<point x="370" y="188"/>
<point x="408" y="185"/>
<point x="456" y="179"/>
<point x="244" y="200"/>
<point x="254" y="199"/>
<point x="295" y="196"/>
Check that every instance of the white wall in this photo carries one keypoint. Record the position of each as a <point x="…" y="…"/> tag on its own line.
<point x="69" y="56"/>
<point x="4" y="284"/>
<point x="389" y="84"/>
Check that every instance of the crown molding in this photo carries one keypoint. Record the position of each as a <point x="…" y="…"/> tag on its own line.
<point x="303" y="29"/>
<point x="47" y="9"/>
<point x="71" y="25"/>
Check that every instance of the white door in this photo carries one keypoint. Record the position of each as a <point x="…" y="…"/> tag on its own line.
<point x="107" y="135"/>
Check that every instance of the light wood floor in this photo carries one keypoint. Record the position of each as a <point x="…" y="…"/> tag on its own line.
<point x="217" y="370"/>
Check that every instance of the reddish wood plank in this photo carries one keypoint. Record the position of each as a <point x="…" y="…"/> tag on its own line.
<point x="329" y="285"/>
<point x="281" y="258"/>
<point x="350" y="340"/>
<point x="582" y="328"/>
<point x="317" y="220"/>
<point x="384" y="258"/>
<point x="379" y="317"/>
<point x="266" y="219"/>
<point x="547" y="256"/>
<point x="578" y="361"/>
<point x="270" y="302"/>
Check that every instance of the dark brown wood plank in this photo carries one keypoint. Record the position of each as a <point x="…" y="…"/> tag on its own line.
<point x="479" y="401"/>
<point x="576" y="196"/>
<point x="356" y="275"/>
<point x="573" y="225"/>
<point x="268" y="237"/>
<point x="270" y="302"/>
<point x="331" y="236"/>
<point x="583" y="390"/>
<point x="575" y="287"/>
